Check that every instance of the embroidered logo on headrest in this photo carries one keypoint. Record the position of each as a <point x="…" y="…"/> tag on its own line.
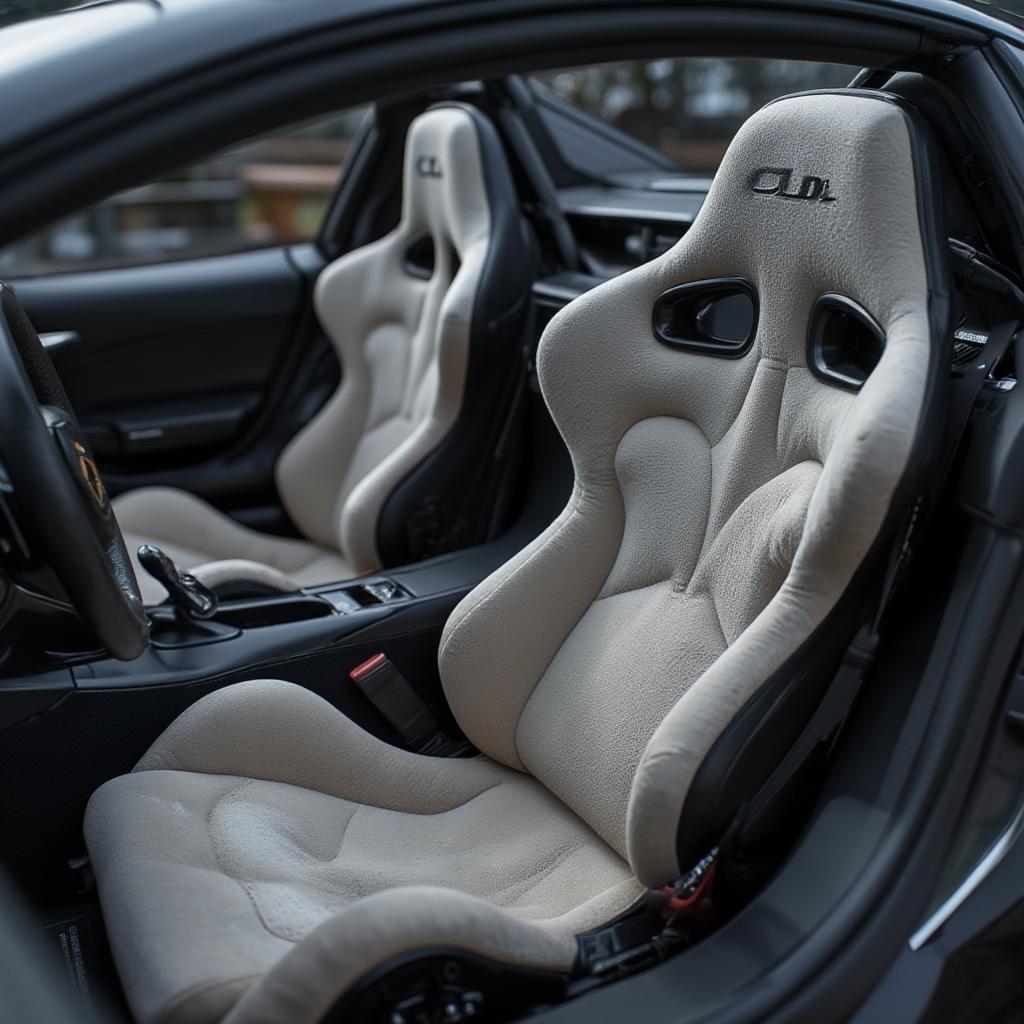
<point x="776" y="181"/>
<point x="428" y="167"/>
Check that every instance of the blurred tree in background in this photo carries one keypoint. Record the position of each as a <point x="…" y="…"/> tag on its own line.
<point x="688" y="109"/>
<point x="274" y="190"/>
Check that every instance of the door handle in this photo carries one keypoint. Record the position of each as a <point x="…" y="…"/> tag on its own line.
<point x="54" y="340"/>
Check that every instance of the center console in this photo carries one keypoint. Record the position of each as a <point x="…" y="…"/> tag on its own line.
<point x="68" y="729"/>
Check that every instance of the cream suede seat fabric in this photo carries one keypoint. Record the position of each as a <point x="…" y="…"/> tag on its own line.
<point x="266" y="853"/>
<point x="403" y="337"/>
<point x="190" y="530"/>
<point x="274" y="818"/>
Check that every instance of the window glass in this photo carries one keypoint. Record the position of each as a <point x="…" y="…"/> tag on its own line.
<point x="1015" y="8"/>
<point x="687" y="109"/>
<point x="269" y="191"/>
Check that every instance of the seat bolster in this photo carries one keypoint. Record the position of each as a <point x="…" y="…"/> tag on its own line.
<point x="688" y="732"/>
<point x="362" y="507"/>
<point x="306" y="982"/>
<point x="280" y="732"/>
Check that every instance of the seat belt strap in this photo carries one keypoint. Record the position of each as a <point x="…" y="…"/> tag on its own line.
<point x="834" y="708"/>
<point x="824" y="726"/>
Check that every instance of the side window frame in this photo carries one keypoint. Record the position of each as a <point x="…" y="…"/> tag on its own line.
<point x="275" y="190"/>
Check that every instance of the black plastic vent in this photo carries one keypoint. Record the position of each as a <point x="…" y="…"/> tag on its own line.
<point x="844" y="342"/>
<point x="717" y="317"/>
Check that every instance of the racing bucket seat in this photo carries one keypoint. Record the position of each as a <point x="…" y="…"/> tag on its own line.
<point x="748" y="417"/>
<point x="427" y="323"/>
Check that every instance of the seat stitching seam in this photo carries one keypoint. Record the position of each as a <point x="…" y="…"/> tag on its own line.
<point x="529" y="884"/>
<point x="773" y="363"/>
<point x="200" y="988"/>
<point x="344" y="831"/>
<point x="718" y="619"/>
<point x="247" y="887"/>
<point x="446" y="810"/>
<point x="617" y="483"/>
<point x="508" y="579"/>
<point x="622" y="495"/>
<point x="231" y="796"/>
<point x="635" y="590"/>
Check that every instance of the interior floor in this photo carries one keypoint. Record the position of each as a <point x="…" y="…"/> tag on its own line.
<point x="76" y="936"/>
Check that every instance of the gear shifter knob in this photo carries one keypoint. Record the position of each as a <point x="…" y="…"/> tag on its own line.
<point x="190" y="598"/>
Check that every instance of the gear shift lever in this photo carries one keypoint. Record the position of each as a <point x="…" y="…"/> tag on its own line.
<point x="190" y="598"/>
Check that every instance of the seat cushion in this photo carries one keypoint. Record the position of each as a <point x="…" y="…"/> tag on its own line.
<point x="262" y="814"/>
<point x="193" y="533"/>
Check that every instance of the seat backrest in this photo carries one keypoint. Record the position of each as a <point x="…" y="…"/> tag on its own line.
<point x="727" y="488"/>
<point x="423" y="320"/>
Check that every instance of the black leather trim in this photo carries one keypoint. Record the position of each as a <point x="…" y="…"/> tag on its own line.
<point x="708" y="288"/>
<point x="443" y="503"/>
<point x="815" y="359"/>
<point x="438" y="976"/>
<point x="768" y="724"/>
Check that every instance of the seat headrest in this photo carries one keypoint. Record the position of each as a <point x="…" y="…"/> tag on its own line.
<point x="448" y="164"/>
<point x="816" y="195"/>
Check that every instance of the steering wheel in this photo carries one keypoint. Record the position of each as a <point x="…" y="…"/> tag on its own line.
<point x="64" y="506"/>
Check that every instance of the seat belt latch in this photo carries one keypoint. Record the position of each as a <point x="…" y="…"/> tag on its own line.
<point x="685" y="896"/>
<point x="863" y="647"/>
<point x="403" y="708"/>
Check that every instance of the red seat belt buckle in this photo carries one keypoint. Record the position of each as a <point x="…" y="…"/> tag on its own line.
<point x="364" y="668"/>
<point x="389" y="692"/>
<point x="690" y="896"/>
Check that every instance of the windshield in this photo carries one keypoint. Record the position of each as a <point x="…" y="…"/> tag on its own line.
<point x="1013" y="6"/>
<point x="18" y="10"/>
<point x="1007" y="10"/>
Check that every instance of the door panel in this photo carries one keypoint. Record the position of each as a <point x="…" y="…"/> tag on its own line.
<point x="190" y="373"/>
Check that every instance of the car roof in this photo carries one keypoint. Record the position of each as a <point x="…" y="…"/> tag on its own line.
<point x="42" y="32"/>
<point x="74" y="64"/>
